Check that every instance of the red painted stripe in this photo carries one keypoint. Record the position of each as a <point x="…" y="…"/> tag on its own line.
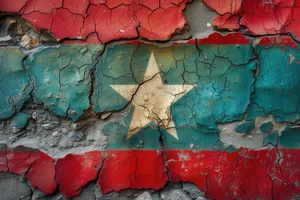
<point x="259" y="17"/>
<point x="38" y="166"/>
<point x="217" y="38"/>
<point x="133" y="169"/>
<point x="214" y="38"/>
<point x="110" y="20"/>
<point x="278" y="40"/>
<point x="245" y="174"/>
<point x="75" y="171"/>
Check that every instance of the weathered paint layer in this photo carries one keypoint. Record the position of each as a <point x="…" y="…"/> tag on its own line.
<point x="110" y="20"/>
<point x="277" y="80"/>
<point x="15" y="84"/>
<point x="242" y="174"/>
<point x="62" y="77"/>
<point x="217" y="73"/>
<point x="206" y="83"/>
<point x="260" y="17"/>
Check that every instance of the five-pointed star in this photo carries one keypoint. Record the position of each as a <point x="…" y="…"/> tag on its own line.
<point x="152" y="100"/>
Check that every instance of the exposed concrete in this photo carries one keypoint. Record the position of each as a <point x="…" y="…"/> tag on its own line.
<point x="192" y="190"/>
<point x="13" y="29"/>
<point x="278" y="127"/>
<point x="12" y="187"/>
<point x="255" y="139"/>
<point x="144" y="196"/>
<point x="199" y="18"/>
<point x="55" y="135"/>
<point x="229" y="136"/>
<point x="177" y="194"/>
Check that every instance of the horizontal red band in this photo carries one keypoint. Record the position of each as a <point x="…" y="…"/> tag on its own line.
<point x="247" y="173"/>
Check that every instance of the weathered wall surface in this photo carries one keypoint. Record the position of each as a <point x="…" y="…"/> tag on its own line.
<point x="130" y="99"/>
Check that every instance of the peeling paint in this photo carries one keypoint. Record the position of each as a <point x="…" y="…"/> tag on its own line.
<point x="220" y="113"/>
<point x="111" y="20"/>
<point x="62" y="77"/>
<point x="15" y="84"/>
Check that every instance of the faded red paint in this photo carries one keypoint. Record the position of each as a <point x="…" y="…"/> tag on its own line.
<point x="111" y="20"/>
<point x="42" y="172"/>
<point x="38" y="166"/>
<point x="278" y="40"/>
<point x="246" y="174"/>
<point x="160" y="24"/>
<point x="66" y="24"/>
<point x="19" y="159"/>
<point x="75" y="171"/>
<point x="260" y="17"/>
<point x="91" y="39"/>
<point x="217" y="38"/>
<point x="111" y="24"/>
<point x="135" y="169"/>
<point x="225" y="6"/>
<point x="227" y="21"/>
<point x="214" y="38"/>
<point x="41" y="6"/>
<point x="12" y="6"/>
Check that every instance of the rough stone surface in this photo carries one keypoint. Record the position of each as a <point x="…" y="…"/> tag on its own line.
<point x="12" y="187"/>
<point x="144" y="196"/>
<point x="192" y="190"/>
<point x="177" y="194"/>
<point x="195" y="11"/>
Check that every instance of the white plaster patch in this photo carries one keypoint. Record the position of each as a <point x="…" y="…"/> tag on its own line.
<point x="278" y="127"/>
<point x="229" y="136"/>
<point x="254" y="140"/>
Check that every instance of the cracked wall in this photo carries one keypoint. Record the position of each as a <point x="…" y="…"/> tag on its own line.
<point x="136" y="99"/>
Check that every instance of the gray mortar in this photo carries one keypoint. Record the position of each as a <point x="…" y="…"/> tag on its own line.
<point x="13" y="28"/>
<point x="13" y="187"/>
<point x="58" y="136"/>
<point x="181" y="191"/>
<point x="198" y="15"/>
<point x="253" y="140"/>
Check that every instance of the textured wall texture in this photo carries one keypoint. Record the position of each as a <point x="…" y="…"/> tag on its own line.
<point x="149" y="99"/>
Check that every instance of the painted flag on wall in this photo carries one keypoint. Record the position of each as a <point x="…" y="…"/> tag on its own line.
<point x="220" y="112"/>
<point x="177" y="102"/>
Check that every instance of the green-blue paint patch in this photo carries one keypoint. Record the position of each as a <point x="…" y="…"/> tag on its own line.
<point x="220" y="146"/>
<point x="62" y="77"/>
<point x="219" y="74"/>
<point x="118" y="132"/>
<point x="290" y="138"/>
<point x="191" y="138"/>
<point x="266" y="127"/>
<point x="245" y="127"/>
<point x="20" y="120"/>
<point x="15" y="84"/>
<point x="277" y="84"/>
<point x="270" y="138"/>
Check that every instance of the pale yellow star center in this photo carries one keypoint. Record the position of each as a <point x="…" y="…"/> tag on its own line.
<point x="152" y="100"/>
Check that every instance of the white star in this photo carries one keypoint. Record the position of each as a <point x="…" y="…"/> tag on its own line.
<point x="152" y="100"/>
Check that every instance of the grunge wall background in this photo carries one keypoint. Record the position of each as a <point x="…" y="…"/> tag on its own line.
<point x="64" y="130"/>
